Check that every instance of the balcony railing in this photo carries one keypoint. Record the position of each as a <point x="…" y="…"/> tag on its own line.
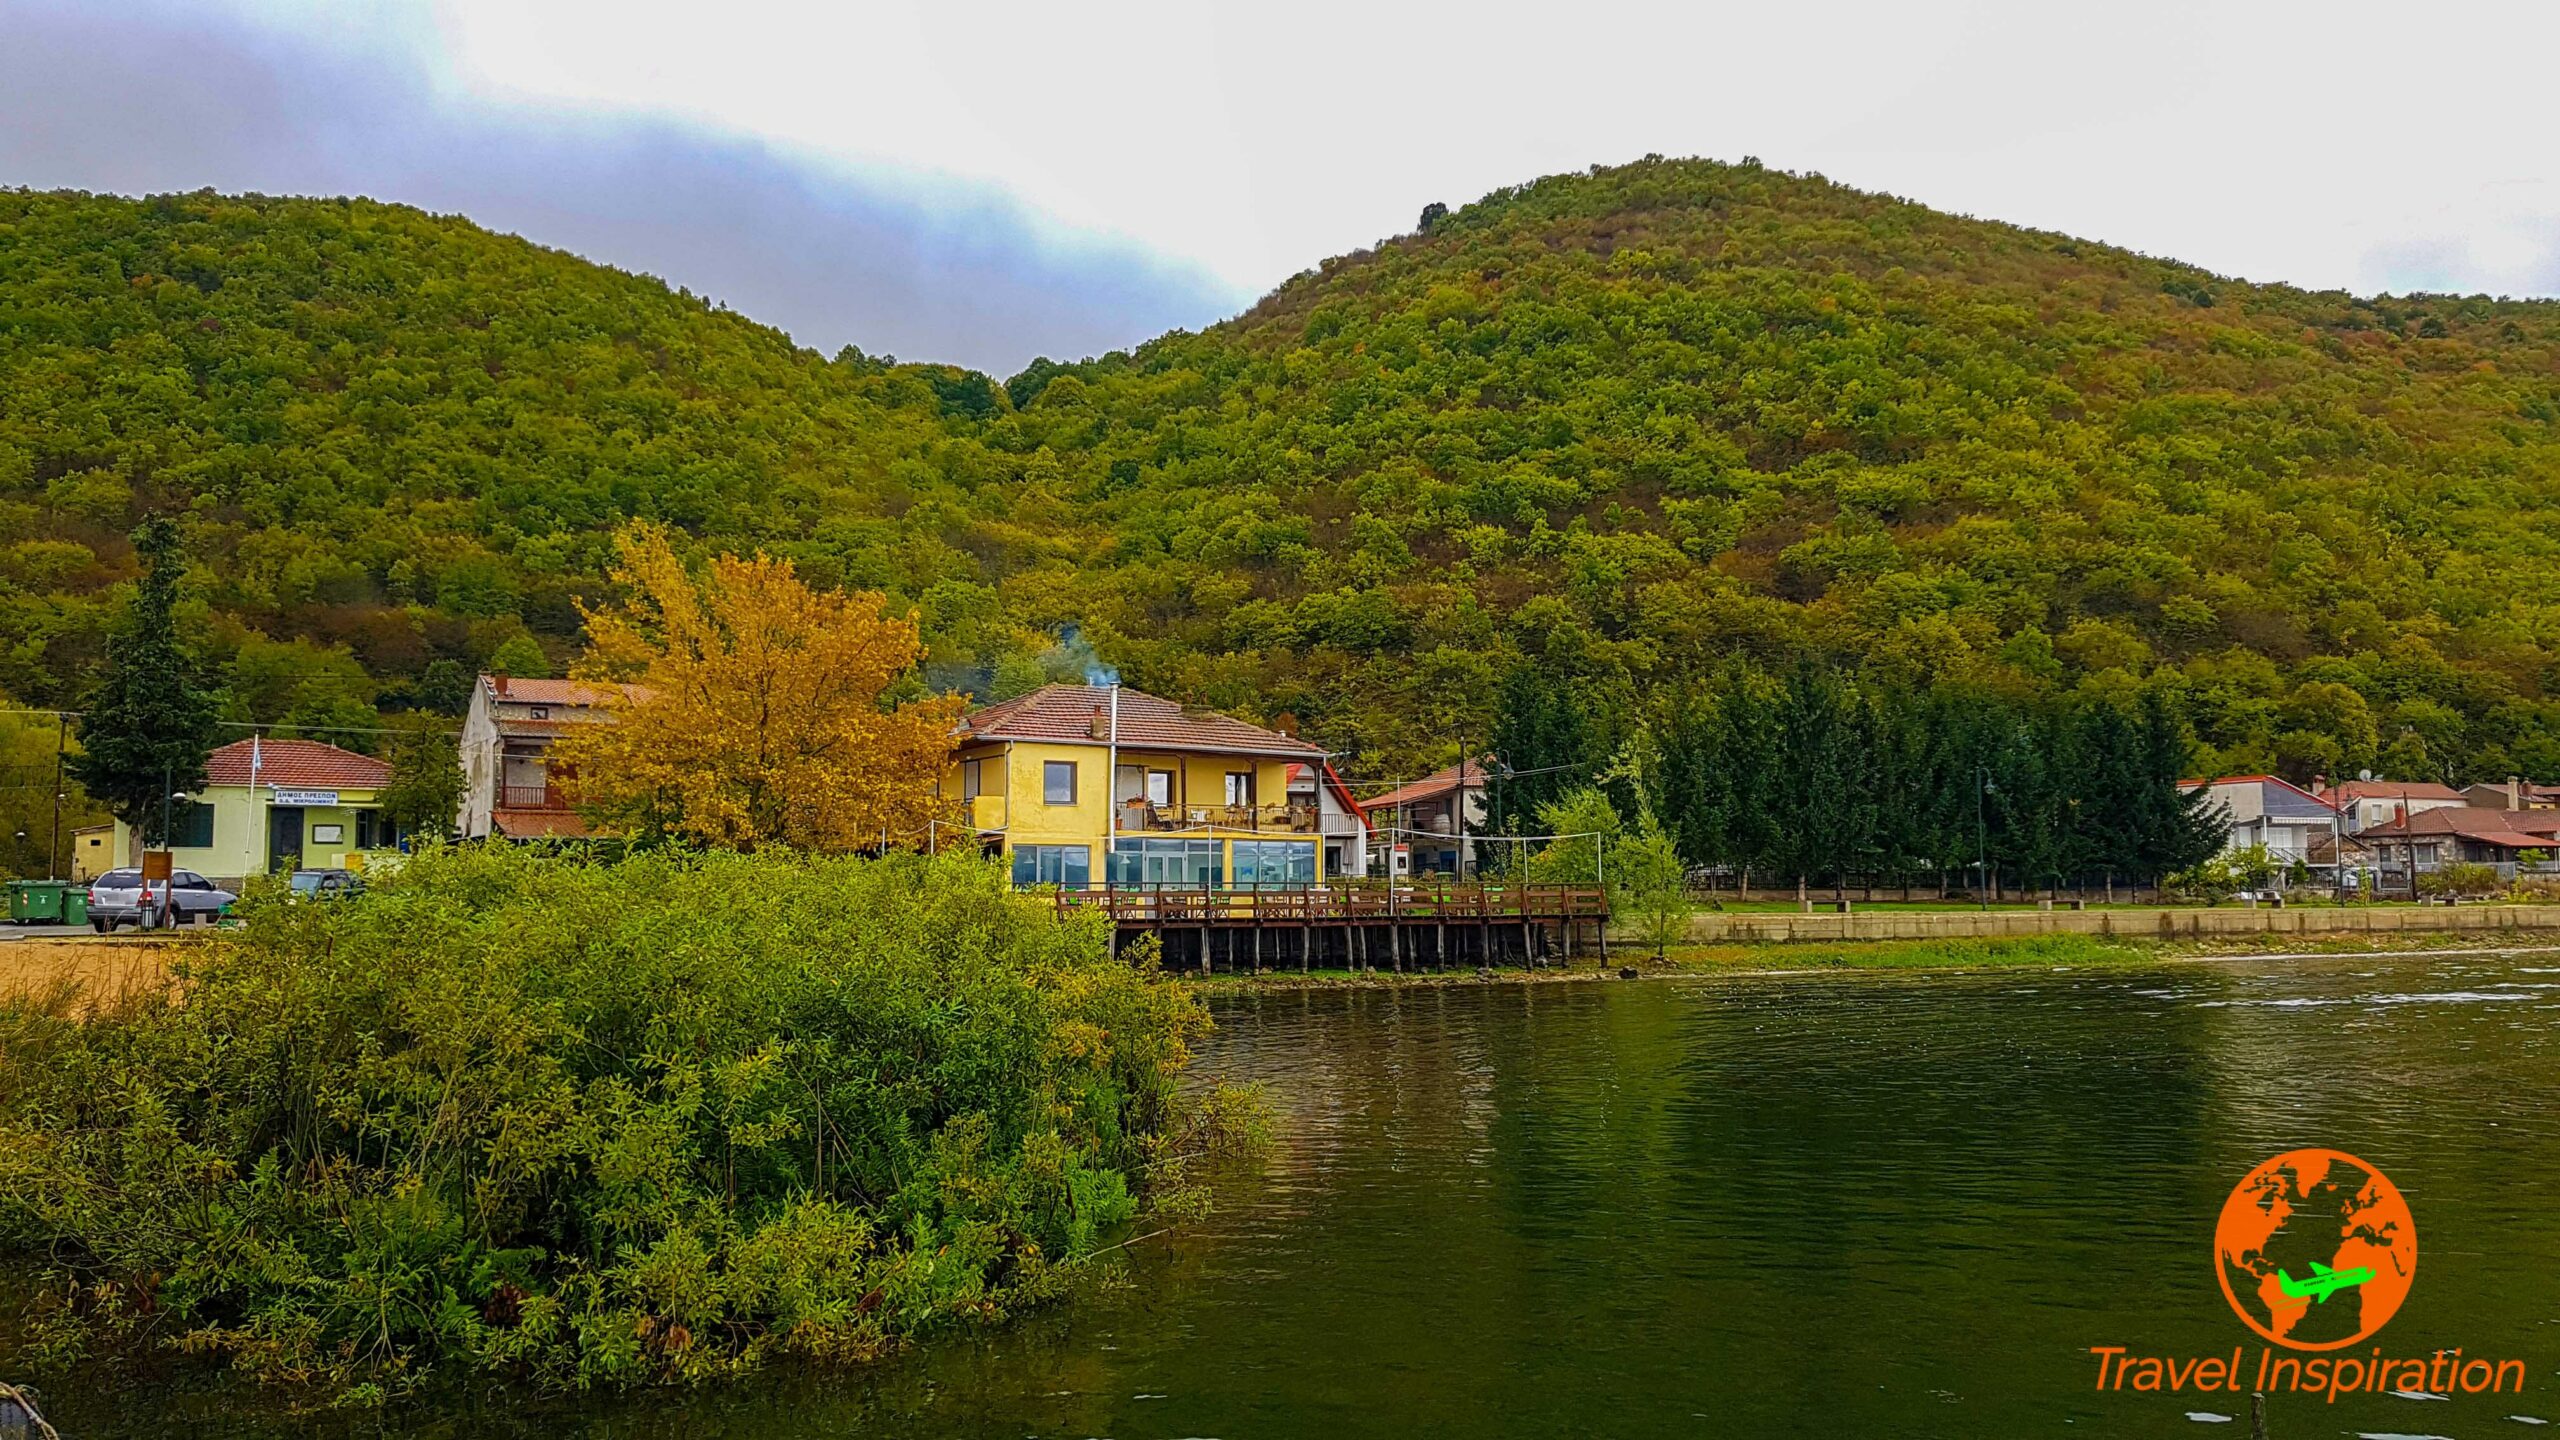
<point x="1139" y="817"/>
<point x="531" y="797"/>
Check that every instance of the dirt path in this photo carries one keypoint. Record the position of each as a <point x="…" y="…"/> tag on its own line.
<point x="104" y="971"/>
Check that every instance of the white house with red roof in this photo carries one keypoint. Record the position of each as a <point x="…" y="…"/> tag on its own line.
<point x="2364" y="804"/>
<point x="510" y="788"/>
<point x="278" y="805"/>
<point x="1430" y="816"/>
<point x="2272" y="811"/>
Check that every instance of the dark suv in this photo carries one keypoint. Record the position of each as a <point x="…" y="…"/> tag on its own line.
<point x="326" y="884"/>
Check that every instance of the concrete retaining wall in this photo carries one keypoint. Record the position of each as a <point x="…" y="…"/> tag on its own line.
<point x="1710" y="927"/>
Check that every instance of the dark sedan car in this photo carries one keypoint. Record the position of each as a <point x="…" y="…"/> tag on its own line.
<point x="326" y="884"/>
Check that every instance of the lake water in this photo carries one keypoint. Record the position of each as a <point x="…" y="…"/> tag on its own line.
<point x="1842" y="1205"/>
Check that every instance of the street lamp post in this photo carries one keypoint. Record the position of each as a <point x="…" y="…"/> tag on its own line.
<point x="1982" y="787"/>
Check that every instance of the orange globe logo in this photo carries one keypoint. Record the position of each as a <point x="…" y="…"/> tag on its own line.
<point x="2316" y="1249"/>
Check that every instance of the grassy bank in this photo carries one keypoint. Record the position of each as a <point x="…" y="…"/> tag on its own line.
<point x="1911" y="954"/>
<point x="659" y="1120"/>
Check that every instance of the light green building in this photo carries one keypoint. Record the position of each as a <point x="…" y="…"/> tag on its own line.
<point x="278" y="805"/>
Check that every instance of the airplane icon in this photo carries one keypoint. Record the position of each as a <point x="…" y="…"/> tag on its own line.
<point x="2324" y="1282"/>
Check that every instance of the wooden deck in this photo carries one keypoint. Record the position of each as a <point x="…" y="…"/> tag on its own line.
<point x="1428" y="926"/>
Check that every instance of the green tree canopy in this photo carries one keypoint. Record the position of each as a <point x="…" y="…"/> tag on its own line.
<point x="151" y="721"/>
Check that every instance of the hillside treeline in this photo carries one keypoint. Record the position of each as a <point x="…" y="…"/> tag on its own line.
<point x="1634" y="426"/>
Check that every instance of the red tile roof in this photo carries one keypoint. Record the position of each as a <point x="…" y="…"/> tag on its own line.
<point x="539" y="824"/>
<point x="2393" y="790"/>
<point x="2512" y="829"/>
<point x="294" y="763"/>
<point x="524" y="690"/>
<point x="1066" y="714"/>
<point x="2322" y="801"/>
<point x="1430" y="787"/>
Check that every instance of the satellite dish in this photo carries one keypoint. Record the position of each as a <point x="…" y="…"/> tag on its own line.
<point x="2364" y="774"/>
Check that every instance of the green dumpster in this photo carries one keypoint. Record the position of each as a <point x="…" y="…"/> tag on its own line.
<point x="39" y="902"/>
<point x="75" y="905"/>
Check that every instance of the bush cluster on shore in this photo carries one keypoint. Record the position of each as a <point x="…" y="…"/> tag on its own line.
<point x="665" y="1118"/>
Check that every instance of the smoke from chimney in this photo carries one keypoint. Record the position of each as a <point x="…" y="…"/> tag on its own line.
<point x="1075" y="655"/>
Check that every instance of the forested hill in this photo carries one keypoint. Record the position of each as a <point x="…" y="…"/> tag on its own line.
<point x="1627" y="427"/>
<point x="1637" y="421"/>
<point x="398" y="439"/>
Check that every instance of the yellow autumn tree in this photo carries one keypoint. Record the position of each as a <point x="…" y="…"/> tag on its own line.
<point x="757" y="712"/>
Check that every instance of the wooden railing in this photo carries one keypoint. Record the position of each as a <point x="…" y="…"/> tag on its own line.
<point x="1138" y="817"/>
<point x="1350" y="904"/>
<point x="531" y="797"/>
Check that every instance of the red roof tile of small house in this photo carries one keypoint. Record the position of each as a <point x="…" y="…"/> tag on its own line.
<point x="2394" y="790"/>
<point x="2322" y="801"/>
<point x="525" y="690"/>
<point x="1081" y="715"/>
<point x="1430" y="787"/>
<point x="539" y="824"/>
<point x="294" y="764"/>
<point x="2512" y="829"/>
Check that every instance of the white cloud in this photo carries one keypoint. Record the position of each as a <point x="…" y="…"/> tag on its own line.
<point x="2297" y="141"/>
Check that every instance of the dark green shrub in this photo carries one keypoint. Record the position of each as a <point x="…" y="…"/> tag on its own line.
<point x="663" y="1118"/>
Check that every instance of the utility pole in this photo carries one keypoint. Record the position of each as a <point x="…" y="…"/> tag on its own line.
<point x="168" y="779"/>
<point x="1460" y="803"/>
<point x="53" y="850"/>
<point x="1111" y="806"/>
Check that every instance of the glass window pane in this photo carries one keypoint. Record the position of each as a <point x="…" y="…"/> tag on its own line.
<point x="1058" y="782"/>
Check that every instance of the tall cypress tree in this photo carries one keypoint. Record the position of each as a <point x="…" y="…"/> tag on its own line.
<point x="1899" y="787"/>
<point x="1753" y="780"/>
<point x="2180" y="828"/>
<point x="149" y="724"/>
<point x="2110" y="781"/>
<point x="2033" y="804"/>
<point x="1827" y="808"/>
<point x="1690" y="794"/>
<point x="1545" y="744"/>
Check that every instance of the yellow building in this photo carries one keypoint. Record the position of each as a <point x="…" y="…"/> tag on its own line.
<point x="277" y="805"/>
<point x="1085" y="786"/>
<point x="93" y="851"/>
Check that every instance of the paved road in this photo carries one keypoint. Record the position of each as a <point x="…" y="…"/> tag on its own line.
<point x="38" y="932"/>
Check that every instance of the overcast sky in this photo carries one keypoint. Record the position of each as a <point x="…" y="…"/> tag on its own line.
<point x="981" y="182"/>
